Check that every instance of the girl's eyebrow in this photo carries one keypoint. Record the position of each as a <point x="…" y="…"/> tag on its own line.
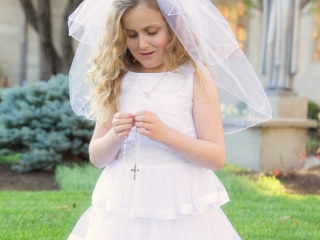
<point x="150" y="26"/>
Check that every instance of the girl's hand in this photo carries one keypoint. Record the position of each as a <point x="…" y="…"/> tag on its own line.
<point x="150" y="125"/>
<point x="122" y="124"/>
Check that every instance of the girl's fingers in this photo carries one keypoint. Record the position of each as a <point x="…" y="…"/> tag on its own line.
<point x="144" y="113"/>
<point x="143" y="131"/>
<point x="123" y="134"/>
<point x="123" y="128"/>
<point x="143" y="125"/>
<point x="122" y="119"/>
<point x="120" y="115"/>
<point x="117" y="122"/>
<point x="144" y="118"/>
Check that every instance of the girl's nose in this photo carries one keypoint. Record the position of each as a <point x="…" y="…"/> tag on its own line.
<point x="143" y="43"/>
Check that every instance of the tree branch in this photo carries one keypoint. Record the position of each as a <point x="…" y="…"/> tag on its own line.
<point x="67" y="51"/>
<point x="304" y="3"/>
<point x="30" y="13"/>
<point x="48" y="67"/>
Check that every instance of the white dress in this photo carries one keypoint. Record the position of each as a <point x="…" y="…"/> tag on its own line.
<point x="175" y="200"/>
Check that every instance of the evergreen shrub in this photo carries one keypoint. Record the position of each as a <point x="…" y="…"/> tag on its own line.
<point x="38" y="122"/>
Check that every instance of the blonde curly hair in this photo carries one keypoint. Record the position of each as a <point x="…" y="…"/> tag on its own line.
<point x="114" y="59"/>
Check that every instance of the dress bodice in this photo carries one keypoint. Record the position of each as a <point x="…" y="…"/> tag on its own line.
<point x="171" y="98"/>
<point x="166" y="185"/>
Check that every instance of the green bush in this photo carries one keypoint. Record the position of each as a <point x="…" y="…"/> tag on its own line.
<point x="312" y="146"/>
<point x="38" y="122"/>
<point x="314" y="112"/>
<point x="10" y="159"/>
<point x="77" y="177"/>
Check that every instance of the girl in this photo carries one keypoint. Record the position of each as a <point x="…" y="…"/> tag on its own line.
<point x="148" y="71"/>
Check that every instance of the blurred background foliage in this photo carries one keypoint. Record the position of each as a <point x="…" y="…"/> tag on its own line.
<point x="313" y="111"/>
<point x="313" y="141"/>
<point x="38" y="122"/>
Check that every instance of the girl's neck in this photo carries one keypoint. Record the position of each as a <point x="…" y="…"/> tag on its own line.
<point x="141" y="69"/>
<point x="138" y="68"/>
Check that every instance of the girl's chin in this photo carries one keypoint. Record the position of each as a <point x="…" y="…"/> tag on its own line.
<point x="152" y="67"/>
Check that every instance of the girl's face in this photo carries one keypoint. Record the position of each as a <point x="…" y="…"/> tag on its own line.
<point x="147" y="37"/>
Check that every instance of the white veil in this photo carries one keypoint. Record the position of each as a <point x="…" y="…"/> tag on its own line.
<point x="208" y="38"/>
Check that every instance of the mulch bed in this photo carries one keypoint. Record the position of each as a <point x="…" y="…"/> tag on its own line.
<point x="33" y="181"/>
<point x="303" y="181"/>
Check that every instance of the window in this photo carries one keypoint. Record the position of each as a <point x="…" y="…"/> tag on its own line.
<point x="237" y="16"/>
<point x="316" y="36"/>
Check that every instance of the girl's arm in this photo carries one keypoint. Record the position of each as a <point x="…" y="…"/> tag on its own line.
<point x="209" y="149"/>
<point x="108" y="138"/>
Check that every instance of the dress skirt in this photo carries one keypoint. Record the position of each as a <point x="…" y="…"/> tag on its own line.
<point x="173" y="202"/>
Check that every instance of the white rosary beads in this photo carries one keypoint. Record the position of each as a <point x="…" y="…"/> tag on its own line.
<point x="135" y="170"/>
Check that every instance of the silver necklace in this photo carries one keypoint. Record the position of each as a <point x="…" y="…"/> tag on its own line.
<point x="134" y="170"/>
<point x="147" y="93"/>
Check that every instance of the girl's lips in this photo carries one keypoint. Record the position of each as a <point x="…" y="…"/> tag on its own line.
<point x="146" y="54"/>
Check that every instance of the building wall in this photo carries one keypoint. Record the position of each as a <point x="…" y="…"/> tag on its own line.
<point x="11" y="14"/>
<point x="306" y="83"/>
<point x="254" y="40"/>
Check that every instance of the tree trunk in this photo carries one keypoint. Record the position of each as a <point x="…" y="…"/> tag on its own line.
<point x="35" y="19"/>
<point x="23" y="50"/>
<point x="67" y="51"/>
<point x="47" y="68"/>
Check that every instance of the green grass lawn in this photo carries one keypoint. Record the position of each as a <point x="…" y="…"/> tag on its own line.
<point x="40" y="215"/>
<point x="258" y="210"/>
<point x="262" y="210"/>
